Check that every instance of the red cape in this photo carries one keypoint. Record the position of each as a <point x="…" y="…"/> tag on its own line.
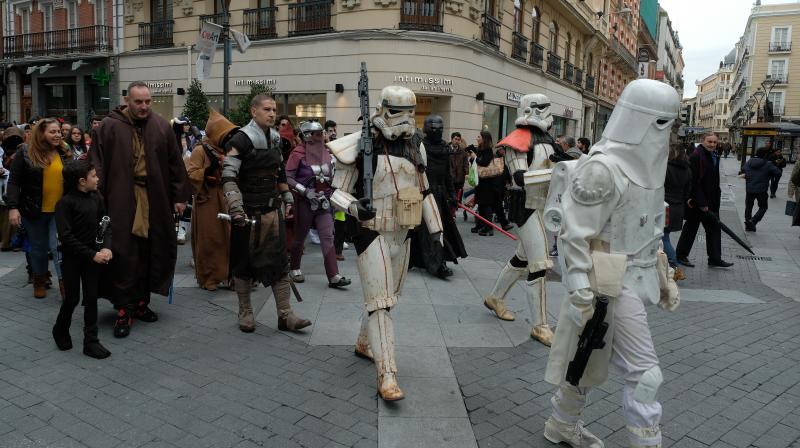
<point x="519" y="140"/>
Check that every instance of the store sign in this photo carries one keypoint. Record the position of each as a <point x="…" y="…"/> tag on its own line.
<point x="160" y="87"/>
<point x="514" y="97"/>
<point x="426" y="83"/>
<point x="249" y="82"/>
<point x="644" y="55"/>
<point x="760" y="132"/>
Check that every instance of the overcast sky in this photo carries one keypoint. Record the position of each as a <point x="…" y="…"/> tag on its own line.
<point x="708" y="30"/>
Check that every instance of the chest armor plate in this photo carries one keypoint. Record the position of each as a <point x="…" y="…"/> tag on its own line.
<point x="258" y="177"/>
<point x="386" y="200"/>
<point x="536" y="194"/>
<point x="637" y="224"/>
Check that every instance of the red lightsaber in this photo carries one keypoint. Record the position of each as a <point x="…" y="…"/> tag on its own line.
<point x="485" y="221"/>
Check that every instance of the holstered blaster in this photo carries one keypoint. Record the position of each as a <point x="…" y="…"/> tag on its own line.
<point x="591" y="339"/>
<point x="105" y="221"/>
<point x="365" y="144"/>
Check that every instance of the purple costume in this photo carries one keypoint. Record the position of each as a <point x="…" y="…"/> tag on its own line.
<point x="311" y="165"/>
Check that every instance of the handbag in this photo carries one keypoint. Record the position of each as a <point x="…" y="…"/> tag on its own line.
<point x="790" y="206"/>
<point x="494" y="169"/>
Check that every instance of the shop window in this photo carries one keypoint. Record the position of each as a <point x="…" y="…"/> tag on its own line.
<point x="162" y="105"/>
<point x="491" y="120"/>
<point x="61" y="99"/>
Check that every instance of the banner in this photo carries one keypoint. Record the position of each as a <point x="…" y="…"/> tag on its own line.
<point x="206" y="47"/>
<point x="242" y="41"/>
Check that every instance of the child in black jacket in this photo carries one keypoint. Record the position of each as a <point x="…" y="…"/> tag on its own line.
<point x="85" y="247"/>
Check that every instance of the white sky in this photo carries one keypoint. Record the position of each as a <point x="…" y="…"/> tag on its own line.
<point x="708" y="30"/>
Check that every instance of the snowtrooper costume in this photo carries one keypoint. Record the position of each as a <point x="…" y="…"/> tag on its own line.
<point x="400" y="202"/>
<point x="612" y="218"/>
<point x="528" y="149"/>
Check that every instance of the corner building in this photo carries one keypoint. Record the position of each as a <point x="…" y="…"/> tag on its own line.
<point x="469" y="61"/>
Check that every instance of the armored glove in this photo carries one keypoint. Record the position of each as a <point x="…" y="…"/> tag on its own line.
<point x="519" y="178"/>
<point x="581" y="306"/>
<point x="670" y="294"/>
<point x="360" y="211"/>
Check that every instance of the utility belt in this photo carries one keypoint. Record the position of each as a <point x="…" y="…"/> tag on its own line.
<point x="271" y="205"/>
<point x="140" y="180"/>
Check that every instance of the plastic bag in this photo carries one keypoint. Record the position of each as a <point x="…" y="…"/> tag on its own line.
<point x="472" y="177"/>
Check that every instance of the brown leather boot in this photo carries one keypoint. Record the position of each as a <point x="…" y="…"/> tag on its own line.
<point x="39" y="286"/>
<point x="247" y="322"/>
<point x="287" y="320"/>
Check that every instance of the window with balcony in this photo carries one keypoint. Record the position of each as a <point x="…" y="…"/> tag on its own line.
<point x="776" y="98"/>
<point x="259" y="23"/>
<point x="424" y="15"/>
<point x="72" y="14"/>
<point x="568" y="48"/>
<point x="158" y="32"/>
<point x="47" y="17"/>
<point x="310" y="17"/>
<point x="553" y="44"/>
<point x="536" y="25"/>
<point x="100" y="12"/>
<point x="777" y="70"/>
<point x="781" y="39"/>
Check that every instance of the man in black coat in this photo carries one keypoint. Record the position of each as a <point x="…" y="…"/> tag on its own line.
<point x="703" y="205"/>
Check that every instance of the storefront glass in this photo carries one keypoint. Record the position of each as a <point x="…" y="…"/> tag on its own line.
<point x="162" y="105"/>
<point x="564" y="126"/>
<point x="492" y="116"/>
<point x="302" y="106"/>
<point x="61" y="99"/>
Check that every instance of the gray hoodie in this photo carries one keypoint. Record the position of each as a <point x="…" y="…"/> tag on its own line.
<point x="758" y="172"/>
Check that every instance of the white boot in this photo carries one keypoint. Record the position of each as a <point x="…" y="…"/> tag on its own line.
<point x="381" y="338"/>
<point x="362" y="348"/>
<point x="536" y="293"/>
<point x="644" y="437"/>
<point x="496" y="300"/>
<point x="181" y="234"/>
<point x="573" y="434"/>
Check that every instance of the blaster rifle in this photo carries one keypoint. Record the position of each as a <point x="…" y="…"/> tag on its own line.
<point x="591" y="339"/>
<point x="365" y="144"/>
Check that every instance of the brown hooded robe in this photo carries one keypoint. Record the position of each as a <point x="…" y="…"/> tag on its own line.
<point x="134" y="257"/>
<point x="210" y="236"/>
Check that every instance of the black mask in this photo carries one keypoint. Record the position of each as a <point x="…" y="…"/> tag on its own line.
<point x="433" y="127"/>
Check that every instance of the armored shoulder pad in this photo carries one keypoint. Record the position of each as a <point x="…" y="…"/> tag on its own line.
<point x="593" y="183"/>
<point x="345" y="149"/>
<point x="424" y="153"/>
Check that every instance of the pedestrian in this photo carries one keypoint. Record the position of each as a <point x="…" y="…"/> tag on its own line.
<point x="210" y="236"/>
<point x="758" y="171"/>
<point x="569" y="145"/>
<point x="76" y="142"/>
<point x="427" y="252"/>
<point x="12" y="139"/>
<point x="584" y="144"/>
<point x="330" y="131"/>
<point x="677" y="188"/>
<point x="459" y="166"/>
<point x="181" y="126"/>
<point x="143" y="181"/>
<point x="491" y="185"/>
<point x="96" y="120"/>
<point x="794" y="193"/>
<point x="776" y="157"/>
<point x="254" y="183"/>
<point x="610" y="259"/>
<point x="703" y="203"/>
<point x="35" y="186"/>
<point x="309" y="172"/>
<point x="66" y="128"/>
<point x="86" y="242"/>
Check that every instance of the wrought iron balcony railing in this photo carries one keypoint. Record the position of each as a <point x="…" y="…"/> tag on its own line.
<point x="553" y="64"/>
<point x="219" y="18"/>
<point x="780" y="78"/>
<point x="259" y="23"/>
<point x="310" y="17"/>
<point x="490" y="31"/>
<point x="624" y="54"/>
<point x="422" y="15"/>
<point x="775" y="47"/>
<point x="537" y="55"/>
<point x="569" y="71"/>
<point x="156" y="34"/>
<point x="519" y="46"/>
<point x="88" y="39"/>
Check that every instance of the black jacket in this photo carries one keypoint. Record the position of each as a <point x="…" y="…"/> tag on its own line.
<point x="26" y="183"/>
<point x="78" y="216"/>
<point x="758" y="173"/>
<point x="705" y="180"/>
<point x="677" y="187"/>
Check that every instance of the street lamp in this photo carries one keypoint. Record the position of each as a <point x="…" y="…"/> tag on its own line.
<point x="758" y="95"/>
<point x="767" y="85"/>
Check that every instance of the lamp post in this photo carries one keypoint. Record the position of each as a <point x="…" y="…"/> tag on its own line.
<point x="758" y="95"/>
<point x="768" y="84"/>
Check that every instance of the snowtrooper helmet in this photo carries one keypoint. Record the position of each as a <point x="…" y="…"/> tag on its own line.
<point x="395" y="116"/>
<point x="534" y="110"/>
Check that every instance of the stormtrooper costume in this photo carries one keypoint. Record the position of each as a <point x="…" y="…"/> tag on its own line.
<point x="612" y="217"/>
<point x="400" y="202"/>
<point x="528" y="149"/>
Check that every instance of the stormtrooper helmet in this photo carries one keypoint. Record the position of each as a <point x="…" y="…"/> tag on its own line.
<point x="433" y="127"/>
<point x="395" y="116"/>
<point x="308" y="128"/>
<point x="534" y="110"/>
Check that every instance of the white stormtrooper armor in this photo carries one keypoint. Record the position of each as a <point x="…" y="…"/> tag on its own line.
<point x="531" y="259"/>
<point x="611" y="216"/>
<point x="399" y="205"/>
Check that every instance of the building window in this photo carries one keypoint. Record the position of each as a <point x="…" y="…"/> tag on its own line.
<point x="781" y="35"/>
<point x="72" y="14"/>
<point x="568" y="49"/>
<point x="25" y="20"/>
<point x="100" y="12"/>
<point x="47" y="17"/>
<point x="160" y="10"/>
<point x="519" y="18"/>
<point x="537" y="20"/>
<point x="554" y="38"/>
<point x="776" y="98"/>
<point x="777" y="69"/>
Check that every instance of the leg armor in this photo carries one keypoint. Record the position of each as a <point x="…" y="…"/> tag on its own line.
<point x="512" y="271"/>
<point x="564" y="424"/>
<point x="535" y="291"/>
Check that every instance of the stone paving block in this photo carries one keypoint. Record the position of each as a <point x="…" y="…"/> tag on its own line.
<point x="426" y="397"/>
<point x="398" y="432"/>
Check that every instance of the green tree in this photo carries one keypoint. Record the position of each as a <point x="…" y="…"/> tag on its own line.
<point x="196" y="107"/>
<point x="240" y="116"/>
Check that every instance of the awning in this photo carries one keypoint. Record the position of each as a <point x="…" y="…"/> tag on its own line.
<point x="779" y="129"/>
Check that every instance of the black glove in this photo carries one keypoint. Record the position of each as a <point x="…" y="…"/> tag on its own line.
<point x="519" y="178"/>
<point x="239" y="219"/>
<point x="363" y="213"/>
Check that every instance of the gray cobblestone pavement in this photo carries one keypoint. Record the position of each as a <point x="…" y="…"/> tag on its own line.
<point x="732" y="371"/>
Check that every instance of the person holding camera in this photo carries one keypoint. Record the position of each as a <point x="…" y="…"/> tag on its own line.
<point x="309" y="172"/>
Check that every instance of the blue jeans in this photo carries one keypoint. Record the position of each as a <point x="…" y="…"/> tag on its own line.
<point x="42" y="237"/>
<point x="669" y="250"/>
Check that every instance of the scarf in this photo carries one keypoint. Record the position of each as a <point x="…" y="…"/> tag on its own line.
<point x="141" y="218"/>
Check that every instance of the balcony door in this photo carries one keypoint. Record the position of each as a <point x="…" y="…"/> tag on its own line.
<point x="161" y="27"/>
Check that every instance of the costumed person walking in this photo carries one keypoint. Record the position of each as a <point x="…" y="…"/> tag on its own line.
<point x="181" y="126"/>
<point x="85" y="237"/>
<point x="528" y="149"/>
<point x="612" y="216"/>
<point x="254" y="183"/>
<point x="309" y="172"/>
<point x="491" y="186"/>
<point x="210" y="236"/>
<point x="400" y="202"/>
<point x="427" y="252"/>
<point x="143" y="181"/>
